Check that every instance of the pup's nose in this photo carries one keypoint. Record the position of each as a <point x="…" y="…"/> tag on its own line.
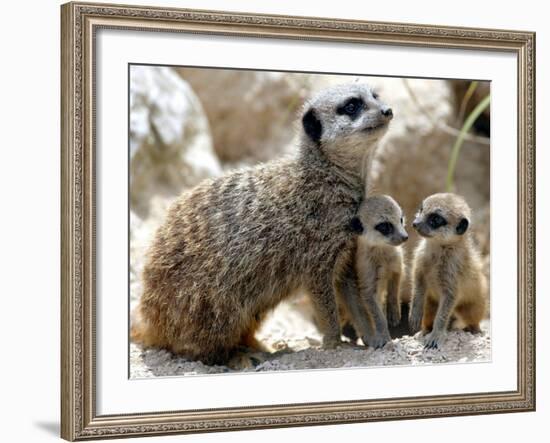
<point x="388" y="113"/>
<point x="415" y="224"/>
<point x="405" y="237"/>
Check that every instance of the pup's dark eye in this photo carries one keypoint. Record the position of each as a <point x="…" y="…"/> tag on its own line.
<point x="375" y="96"/>
<point x="385" y="228"/>
<point x="401" y="220"/>
<point x="351" y="108"/>
<point x="436" y="221"/>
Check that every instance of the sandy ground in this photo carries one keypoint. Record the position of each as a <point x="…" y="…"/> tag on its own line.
<point x="292" y="335"/>
<point x="290" y="332"/>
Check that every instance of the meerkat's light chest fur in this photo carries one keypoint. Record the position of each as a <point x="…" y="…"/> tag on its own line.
<point x="459" y="260"/>
<point x="231" y="249"/>
<point x="386" y="262"/>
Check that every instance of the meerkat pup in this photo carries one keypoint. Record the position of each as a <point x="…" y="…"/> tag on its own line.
<point x="232" y="248"/>
<point x="377" y="269"/>
<point x="447" y="272"/>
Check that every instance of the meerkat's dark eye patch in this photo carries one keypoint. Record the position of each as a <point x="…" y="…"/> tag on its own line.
<point x="312" y="125"/>
<point x="436" y="221"/>
<point x="401" y="220"/>
<point x="462" y="226"/>
<point x="385" y="228"/>
<point x="351" y="107"/>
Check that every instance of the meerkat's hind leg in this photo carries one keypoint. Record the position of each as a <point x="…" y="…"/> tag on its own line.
<point x="251" y="352"/>
<point x="471" y="313"/>
<point x="454" y="323"/>
<point x="348" y="291"/>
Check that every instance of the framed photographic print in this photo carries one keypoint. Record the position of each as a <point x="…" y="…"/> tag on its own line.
<point x="283" y="221"/>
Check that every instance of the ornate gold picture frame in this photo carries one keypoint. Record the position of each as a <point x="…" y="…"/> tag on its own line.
<point x="80" y="22"/>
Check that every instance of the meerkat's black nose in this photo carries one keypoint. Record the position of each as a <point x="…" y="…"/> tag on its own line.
<point x="387" y="112"/>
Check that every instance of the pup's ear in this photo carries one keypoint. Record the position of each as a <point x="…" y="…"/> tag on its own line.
<point x="356" y="226"/>
<point x="462" y="226"/>
<point x="312" y="125"/>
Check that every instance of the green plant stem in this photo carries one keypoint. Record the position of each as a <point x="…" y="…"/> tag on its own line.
<point x="468" y="123"/>
<point x="465" y="100"/>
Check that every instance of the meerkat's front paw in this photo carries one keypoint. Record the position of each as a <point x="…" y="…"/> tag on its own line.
<point x="378" y="341"/>
<point x="331" y="342"/>
<point x="433" y="340"/>
<point x="415" y="319"/>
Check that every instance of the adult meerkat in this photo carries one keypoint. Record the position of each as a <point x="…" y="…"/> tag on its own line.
<point x="447" y="271"/>
<point x="373" y="278"/>
<point x="232" y="248"/>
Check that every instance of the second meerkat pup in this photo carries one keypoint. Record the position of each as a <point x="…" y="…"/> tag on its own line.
<point x="376" y="270"/>
<point x="447" y="271"/>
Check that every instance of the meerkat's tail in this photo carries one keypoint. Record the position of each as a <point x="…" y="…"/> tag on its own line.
<point x="136" y="326"/>
<point x="141" y="331"/>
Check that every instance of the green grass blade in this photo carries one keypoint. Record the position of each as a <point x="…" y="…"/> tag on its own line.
<point x="466" y="99"/>
<point x="468" y="123"/>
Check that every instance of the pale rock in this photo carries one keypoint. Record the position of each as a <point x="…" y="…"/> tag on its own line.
<point x="252" y="114"/>
<point x="170" y="143"/>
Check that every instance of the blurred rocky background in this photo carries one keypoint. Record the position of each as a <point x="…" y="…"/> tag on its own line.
<point x="187" y="124"/>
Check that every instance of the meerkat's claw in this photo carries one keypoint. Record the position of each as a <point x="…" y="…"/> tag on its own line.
<point x="378" y="341"/>
<point x="432" y="341"/>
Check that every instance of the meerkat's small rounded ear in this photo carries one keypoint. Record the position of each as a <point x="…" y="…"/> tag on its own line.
<point x="462" y="226"/>
<point x="356" y="226"/>
<point x="312" y="125"/>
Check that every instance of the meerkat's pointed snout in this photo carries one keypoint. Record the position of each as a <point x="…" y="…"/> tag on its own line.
<point x="400" y="238"/>
<point x="387" y="112"/>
